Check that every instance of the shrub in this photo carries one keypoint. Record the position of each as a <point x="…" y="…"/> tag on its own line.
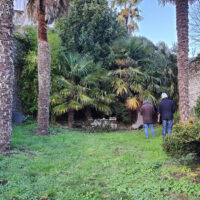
<point x="197" y="108"/>
<point x="184" y="139"/>
<point x="176" y="117"/>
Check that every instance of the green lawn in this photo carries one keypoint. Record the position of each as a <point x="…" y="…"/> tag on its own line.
<point x="72" y="165"/>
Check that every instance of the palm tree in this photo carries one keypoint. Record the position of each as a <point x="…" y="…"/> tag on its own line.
<point x="128" y="14"/>
<point x="136" y="77"/>
<point x="134" y="86"/>
<point x="183" y="68"/>
<point x="77" y="87"/>
<point x="6" y="73"/>
<point x="168" y="71"/>
<point x="44" y="11"/>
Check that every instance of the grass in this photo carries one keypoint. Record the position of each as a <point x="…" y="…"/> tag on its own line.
<point x="72" y="165"/>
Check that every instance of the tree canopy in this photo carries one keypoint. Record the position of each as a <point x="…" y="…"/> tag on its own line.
<point x="90" y="29"/>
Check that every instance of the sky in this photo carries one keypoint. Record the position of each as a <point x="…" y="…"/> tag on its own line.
<point x="159" y="22"/>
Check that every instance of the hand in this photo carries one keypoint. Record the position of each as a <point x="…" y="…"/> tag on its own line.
<point x="158" y="118"/>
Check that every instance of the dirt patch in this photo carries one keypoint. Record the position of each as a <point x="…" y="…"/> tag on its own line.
<point x="178" y="197"/>
<point x="43" y="198"/>
<point x="117" y="151"/>
<point x="3" y="182"/>
<point x="164" y="177"/>
<point x="197" y="179"/>
<point x="178" y="175"/>
<point x="13" y="152"/>
<point x="37" y="132"/>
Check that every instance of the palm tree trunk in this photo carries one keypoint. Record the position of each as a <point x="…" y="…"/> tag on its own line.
<point x="88" y="115"/>
<point x="43" y="72"/>
<point x="183" y="66"/>
<point x="139" y="121"/>
<point x="6" y="73"/>
<point x="70" y="118"/>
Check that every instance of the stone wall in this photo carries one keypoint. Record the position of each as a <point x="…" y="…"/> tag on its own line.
<point x="194" y="84"/>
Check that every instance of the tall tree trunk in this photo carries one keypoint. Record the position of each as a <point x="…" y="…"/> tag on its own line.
<point x="43" y="72"/>
<point x="70" y="118"/>
<point x="88" y="115"/>
<point x="183" y="66"/>
<point x="6" y="73"/>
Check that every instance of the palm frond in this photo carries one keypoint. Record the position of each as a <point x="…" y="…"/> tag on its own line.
<point x="74" y="105"/>
<point x="63" y="82"/>
<point x="120" y="87"/>
<point x="136" y="88"/>
<point x="134" y="71"/>
<point x="102" y="108"/>
<point x="60" y="109"/>
<point x="86" y="100"/>
<point x="53" y="9"/>
<point x="66" y="92"/>
<point x="132" y="103"/>
<point x="56" y="99"/>
<point x="148" y="95"/>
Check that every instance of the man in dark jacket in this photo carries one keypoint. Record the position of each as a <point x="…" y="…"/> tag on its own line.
<point x="147" y="112"/>
<point x="166" y="109"/>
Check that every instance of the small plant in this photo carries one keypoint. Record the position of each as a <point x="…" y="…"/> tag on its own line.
<point x="107" y="128"/>
<point x="184" y="140"/>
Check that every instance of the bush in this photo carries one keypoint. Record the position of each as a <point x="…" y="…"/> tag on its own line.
<point x="185" y="139"/>
<point x="197" y="108"/>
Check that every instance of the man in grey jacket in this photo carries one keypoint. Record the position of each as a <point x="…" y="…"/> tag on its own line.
<point x="147" y="111"/>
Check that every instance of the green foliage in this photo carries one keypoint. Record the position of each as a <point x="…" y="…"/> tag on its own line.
<point x="78" y="166"/>
<point x="156" y="68"/>
<point x="22" y="45"/>
<point x="185" y="139"/>
<point x="28" y="64"/>
<point x="29" y="82"/>
<point x="131" y="78"/>
<point x="78" y="85"/>
<point x="197" y="108"/>
<point x="138" y="69"/>
<point x="121" y="112"/>
<point x="90" y="29"/>
<point x="28" y="61"/>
